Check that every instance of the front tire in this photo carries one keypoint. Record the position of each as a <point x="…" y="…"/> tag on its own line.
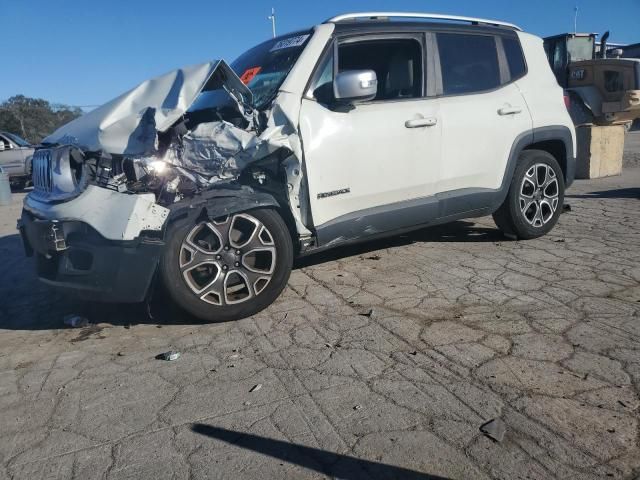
<point x="535" y="198"/>
<point x="227" y="268"/>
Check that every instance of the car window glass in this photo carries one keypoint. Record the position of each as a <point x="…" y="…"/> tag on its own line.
<point x="264" y="68"/>
<point x="559" y="56"/>
<point x="397" y="63"/>
<point x="515" y="58"/>
<point x="21" y="142"/>
<point x="469" y="63"/>
<point x="322" y="86"/>
<point x="5" y="142"/>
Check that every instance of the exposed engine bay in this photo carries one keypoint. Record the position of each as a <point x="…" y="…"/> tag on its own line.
<point x="177" y="136"/>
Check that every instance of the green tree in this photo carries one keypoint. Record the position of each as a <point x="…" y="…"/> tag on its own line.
<point x="34" y="118"/>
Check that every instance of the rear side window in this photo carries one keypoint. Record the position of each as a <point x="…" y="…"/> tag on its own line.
<point x="515" y="58"/>
<point x="469" y="63"/>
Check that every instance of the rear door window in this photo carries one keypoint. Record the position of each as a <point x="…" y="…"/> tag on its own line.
<point x="515" y="57"/>
<point x="469" y="63"/>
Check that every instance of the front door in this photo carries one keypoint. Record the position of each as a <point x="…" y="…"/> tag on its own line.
<point x="367" y="162"/>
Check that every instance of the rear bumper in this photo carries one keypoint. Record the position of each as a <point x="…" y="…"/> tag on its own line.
<point x="75" y="257"/>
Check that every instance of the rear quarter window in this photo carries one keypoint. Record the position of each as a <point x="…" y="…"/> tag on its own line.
<point x="515" y="57"/>
<point x="469" y="63"/>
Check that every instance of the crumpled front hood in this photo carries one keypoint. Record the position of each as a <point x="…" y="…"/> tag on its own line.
<point x="129" y="123"/>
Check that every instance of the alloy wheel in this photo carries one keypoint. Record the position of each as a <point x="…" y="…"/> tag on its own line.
<point x="539" y="194"/>
<point x="229" y="260"/>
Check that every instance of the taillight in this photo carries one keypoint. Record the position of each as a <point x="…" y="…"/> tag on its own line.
<point x="567" y="101"/>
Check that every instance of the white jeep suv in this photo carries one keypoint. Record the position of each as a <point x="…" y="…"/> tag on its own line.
<point x="214" y="177"/>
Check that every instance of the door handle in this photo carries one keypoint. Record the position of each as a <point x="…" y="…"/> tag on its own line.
<point x="421" y="122"/>
<point x="509" y="111"/>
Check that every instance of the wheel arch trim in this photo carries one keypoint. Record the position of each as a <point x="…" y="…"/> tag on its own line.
<point x="530" y="138"/>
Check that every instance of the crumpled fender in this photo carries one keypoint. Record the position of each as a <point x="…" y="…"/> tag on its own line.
<point x="222" y="201"/>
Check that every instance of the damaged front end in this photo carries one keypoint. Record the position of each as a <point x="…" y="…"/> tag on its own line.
<point x="190" y="142"/>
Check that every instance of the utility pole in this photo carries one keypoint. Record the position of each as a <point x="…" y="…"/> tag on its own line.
<point x="575" y="19"/>
<point x="272" y="17"/>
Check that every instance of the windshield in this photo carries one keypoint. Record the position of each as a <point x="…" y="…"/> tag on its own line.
<point x="264" y="68"/>
<point x="580" y="48"/>
<point x="17" y="140"/>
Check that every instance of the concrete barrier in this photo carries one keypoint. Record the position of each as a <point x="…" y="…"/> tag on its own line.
<point x="600" y="151"/>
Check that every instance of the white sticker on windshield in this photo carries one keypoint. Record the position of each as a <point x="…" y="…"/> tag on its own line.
<point x="289" y="42"/>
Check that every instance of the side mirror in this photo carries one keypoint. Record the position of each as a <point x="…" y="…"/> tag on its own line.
<point x="355" y="86"/>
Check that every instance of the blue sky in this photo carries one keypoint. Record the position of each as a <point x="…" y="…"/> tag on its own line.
<point x="85" y="52"/>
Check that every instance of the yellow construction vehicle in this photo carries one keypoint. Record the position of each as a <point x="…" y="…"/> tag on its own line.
<point x="600" y="89"/>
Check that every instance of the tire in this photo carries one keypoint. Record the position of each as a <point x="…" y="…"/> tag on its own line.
<point x="19" y="184"/>
<point x="204" y="274"/>
<point x="531" y="209"/>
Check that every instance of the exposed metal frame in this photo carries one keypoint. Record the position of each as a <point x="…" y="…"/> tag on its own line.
<point x="429" y="16"/>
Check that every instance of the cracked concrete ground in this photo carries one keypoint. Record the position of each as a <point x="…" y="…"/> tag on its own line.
<point x="378" y="361"/>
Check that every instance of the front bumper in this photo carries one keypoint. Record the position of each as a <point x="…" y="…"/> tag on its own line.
<point x="74" y="256"/>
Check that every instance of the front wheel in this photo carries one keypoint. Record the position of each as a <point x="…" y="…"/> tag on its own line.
<point x="535" y="197"/>
<point x="227" y="268"/>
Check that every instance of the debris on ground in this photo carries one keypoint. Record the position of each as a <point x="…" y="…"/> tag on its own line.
<point x="357" y="407"/>
<point x="374" y="257"/>
<point x="415" y="352"/>
<point x="560" y="240"/>
<point x="566" y="208"/>
<point x="168" y="356"/>
<point x="75" y="321"/>
<point x="367" y="314"/>
<point x="234" y="356"/>
<point x="622" y="403"/>
<point x="494" y="429"/>
<point x="255" y="388"/>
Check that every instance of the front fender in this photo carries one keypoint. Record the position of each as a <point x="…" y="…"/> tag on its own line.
<point x="222" y="201"/>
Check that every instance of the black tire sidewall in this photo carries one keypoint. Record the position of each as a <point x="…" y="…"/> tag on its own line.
<point x="521" y="227"/>
<point x="176" y="287"/>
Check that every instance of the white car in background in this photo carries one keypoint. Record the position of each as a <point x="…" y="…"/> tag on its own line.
<point x="213" y="178"/>
<point x="15" y="158"/>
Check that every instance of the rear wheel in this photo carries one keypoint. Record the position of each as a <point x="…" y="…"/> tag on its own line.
<point x="535" y="197"/>
<point x="227" y="268"/>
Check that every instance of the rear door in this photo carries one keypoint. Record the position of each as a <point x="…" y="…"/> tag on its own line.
<point x="368" y="160"/>
<point x="483" y="111"/>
